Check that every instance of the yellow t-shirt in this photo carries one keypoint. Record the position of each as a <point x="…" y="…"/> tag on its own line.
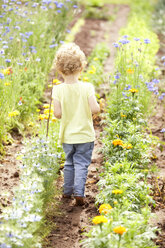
<point x="76" y="122"/>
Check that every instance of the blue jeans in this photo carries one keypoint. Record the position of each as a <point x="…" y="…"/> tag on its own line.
<point x="78" y="158"/>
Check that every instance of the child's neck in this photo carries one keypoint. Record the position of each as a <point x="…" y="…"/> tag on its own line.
<point x="71" y="79"/>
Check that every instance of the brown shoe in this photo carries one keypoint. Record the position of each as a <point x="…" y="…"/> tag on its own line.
<point x="66" y="196"/>
<point x="79" y="200"/>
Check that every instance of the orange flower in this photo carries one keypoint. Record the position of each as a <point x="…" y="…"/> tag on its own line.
<point x="105" y="208"/>
<point x="130" y="71"/>
<point x="117" y="142"/>
<point x="120" y="230"/>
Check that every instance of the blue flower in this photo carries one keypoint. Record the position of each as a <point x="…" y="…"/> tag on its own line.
<point x="124" y="41"/>
<point x="59" y="5"/>
<point x="1" y="75"/>
<point x="75" y="6"/>
<point x="5" y="246"/>
<point x="123" y="93"/>
<point x="38" y="59"/>
<point x="8" y="60"/>
<point x="127" y="87"/>
<point x="155" y="81"/>
<point x="163" y="58"/>
<point x="117" y="76"/>
<point x="147" y="41"/>
<point x="2" y="52"/>
<point x="61" y="41"/>
<point x="160" y="97"/>
<point x="116" y="45"/>
<point x="53" y="45"/>
<point x="68" y="31"/>
<point x="163" y="130"/>
<point x="125" y="36"/>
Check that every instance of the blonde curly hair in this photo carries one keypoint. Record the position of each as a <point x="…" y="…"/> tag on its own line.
<point x="69" y="59"/>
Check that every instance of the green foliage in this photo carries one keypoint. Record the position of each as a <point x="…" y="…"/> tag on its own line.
<point x="98" y="13"/>
<point x="138" y="234"/>
<point x="95" y="70"/>
<point x="23" y="223"/>
<point x="158" y="18"/>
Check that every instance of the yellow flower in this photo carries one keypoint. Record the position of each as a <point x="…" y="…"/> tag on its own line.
<point x="54" y="119"/>
<point x="120" y="230"/>
<point x="93" y="68"/>
<point x="46" y="111"/>
<point x="38" y="110"/>
<point x="130" y="71"/>
<point x="102" y="103"/>
<point x="99" y="219"/>
<point x="31" y="124"/>
<point x="45" y="106"/>
<point x="7" y="84"/>
<point x="133" y="90"/>
<point x="91" y="71"/>
<point x="129" y="146"/>
<point x="122" y="115"/>
<point x="105" y="208"/>
<point x="154" y="156"/>
<point x="55" y="81"/>
<point x="43" y="116"/>
<point x="86" y="79"/>
<point x="7" y="71"/>
<point x="117" y="191"/>
<point x="50" y="85"/>
<point x="14" y="113"/>
<point x="124" y="146"/>
<point x="117" y="142"/>
<point x="95" y="59"/>
<point x="115" y="202"/>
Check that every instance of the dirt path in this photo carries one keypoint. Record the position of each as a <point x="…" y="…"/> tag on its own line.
<point x="73" y="220"/>
<point x="158" y="180"/>
<point x="9" y="170"/>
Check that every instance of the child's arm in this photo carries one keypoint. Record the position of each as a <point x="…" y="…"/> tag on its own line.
<point x="57" y="109"/>
<point x="94" y="106"/>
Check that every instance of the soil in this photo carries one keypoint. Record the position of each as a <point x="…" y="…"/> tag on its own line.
<point x="156" y="124"/>
<point x="9" y="170"/>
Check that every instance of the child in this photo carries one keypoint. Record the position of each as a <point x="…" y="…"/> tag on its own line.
<point x="74" y="103"/>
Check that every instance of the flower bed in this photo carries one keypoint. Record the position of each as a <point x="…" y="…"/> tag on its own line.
<point x="30" y="34"/>
<point x="127" y="148"/>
